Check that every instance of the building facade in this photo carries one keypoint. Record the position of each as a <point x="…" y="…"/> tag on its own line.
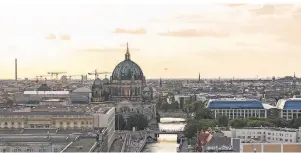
<point x="289" y="108"/>
<point x="239" y="108"/>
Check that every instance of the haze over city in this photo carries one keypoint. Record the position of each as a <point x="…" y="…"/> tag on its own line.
<point x="166" y="40"/>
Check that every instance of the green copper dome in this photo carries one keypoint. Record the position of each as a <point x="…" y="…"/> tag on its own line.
<point x="127" y="69"/>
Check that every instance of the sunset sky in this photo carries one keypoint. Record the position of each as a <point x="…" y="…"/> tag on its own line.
<point x="213" y="39"/>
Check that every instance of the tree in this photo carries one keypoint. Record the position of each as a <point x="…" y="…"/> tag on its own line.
<point x="139" y="121"/>
<point x="174" y="105"/>
<point x="223" y="121"/>
<point x="239" y="123"/>
<point x="193" y="126"/>
<point x="295" y="123"/>
<point x="119" y="122"/>
<point x="165" y="106"/>
<point x="204" y="113"/>
<point x="158" y="117"/>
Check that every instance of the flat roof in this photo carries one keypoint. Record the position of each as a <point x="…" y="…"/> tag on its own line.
<point x="81" y="145"/>
<point x="41" y="113"/>
<point x="46" y="92"/>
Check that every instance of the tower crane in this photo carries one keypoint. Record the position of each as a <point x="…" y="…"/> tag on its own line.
<point x="40" y="77"/>
<point x="95" y="73"/>
<point x="56" y="74"/>
<point x="70" y="76"/>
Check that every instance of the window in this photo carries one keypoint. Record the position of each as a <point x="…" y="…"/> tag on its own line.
<point x="68" y="123"/>
<point x="40" y="150"/>
<point x="61" y="123"/>
<point x="46" y="126"/>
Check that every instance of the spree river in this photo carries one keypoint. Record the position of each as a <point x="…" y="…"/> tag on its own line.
<point x="166" y="142"/>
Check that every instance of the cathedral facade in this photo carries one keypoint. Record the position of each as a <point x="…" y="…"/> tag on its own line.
<point x="127" y="83"/>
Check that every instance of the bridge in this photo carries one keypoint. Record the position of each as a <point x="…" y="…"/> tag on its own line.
<point x="176" y="114"/>
<point x="153" y="131"/>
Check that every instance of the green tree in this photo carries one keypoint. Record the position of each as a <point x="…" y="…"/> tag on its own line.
<point x="193" y="126"/>
<point x="165" y="106"/>
<point x="120" y="122"/>
<point x="239" y="123"/>
<point x="223" y="121"/>
<point x="174" y="105"/>
<point x="158" y="117"/>
<point x="137" y="120"/>
<point x="295" y="123"/>
<point x="204" y="113"/>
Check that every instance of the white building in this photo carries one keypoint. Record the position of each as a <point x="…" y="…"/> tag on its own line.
<point x="239" y="108"/>
<point x="81" y="96"/>
<point x="270" y="135"/>
<point x="289" y="108"/>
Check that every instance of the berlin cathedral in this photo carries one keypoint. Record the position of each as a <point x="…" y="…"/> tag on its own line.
<point x="127" y="89"/>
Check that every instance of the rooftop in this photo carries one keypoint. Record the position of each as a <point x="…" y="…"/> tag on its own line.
<point x="81" y="145"/>
<point x="289" y="104"/>
<point x="235" y="104"/>
<point x="46" y="92"/>
<point x="41" y="113"/>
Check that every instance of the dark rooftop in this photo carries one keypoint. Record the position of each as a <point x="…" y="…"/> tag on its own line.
<point x="81" y="145"/>
<point x="40" y="113"/>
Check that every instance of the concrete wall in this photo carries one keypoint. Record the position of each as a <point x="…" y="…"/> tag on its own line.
<point x="272" y="147"/>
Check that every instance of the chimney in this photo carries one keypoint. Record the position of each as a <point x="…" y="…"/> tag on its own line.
<point x="16" y="69"/>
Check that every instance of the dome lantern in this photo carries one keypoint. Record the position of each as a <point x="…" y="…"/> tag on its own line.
<point x="127" y="54"/>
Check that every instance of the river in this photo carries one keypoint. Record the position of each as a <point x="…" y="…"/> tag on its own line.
<point x="166" y="142"/>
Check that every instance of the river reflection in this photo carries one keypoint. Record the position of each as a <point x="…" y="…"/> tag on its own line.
<point x="166" y="142"/>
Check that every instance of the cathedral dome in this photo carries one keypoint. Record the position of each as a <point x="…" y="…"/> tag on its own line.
<point x="97" y="83"/>
<point x="44" y="87"/>
<point x="127" y="70"/>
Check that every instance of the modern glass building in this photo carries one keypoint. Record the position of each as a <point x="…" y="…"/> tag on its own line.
<point x="239" y="108"/>
<point x="289" y="108"/>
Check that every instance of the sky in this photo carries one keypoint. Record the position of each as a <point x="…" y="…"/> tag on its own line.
<point x="174" y="40"/>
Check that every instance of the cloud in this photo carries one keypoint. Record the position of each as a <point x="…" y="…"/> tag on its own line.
<point x="234" y="5"/>
<point x="65" y="37"/>
<point x="194" y="33"/>
<point x="107" y="50"/>
<point x="139" y="31"/>
<point x="272" y="9"/>
<point x="50" y="37"/>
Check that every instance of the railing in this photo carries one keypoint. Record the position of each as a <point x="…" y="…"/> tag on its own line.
<point x="124" y="142"/>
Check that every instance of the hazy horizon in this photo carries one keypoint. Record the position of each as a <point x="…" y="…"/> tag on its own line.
<point x="217" y="40"/>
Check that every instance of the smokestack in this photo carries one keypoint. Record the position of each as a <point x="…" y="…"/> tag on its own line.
<point x="16" y="69"/>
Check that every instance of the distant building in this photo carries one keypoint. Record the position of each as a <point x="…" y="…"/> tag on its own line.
<point x="289" y="108"/>
<point x="81" y="96"/>
<point x="268" y="135"/>
<point x="239" y="108"/>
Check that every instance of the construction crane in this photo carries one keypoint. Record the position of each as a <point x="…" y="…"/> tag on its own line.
<point x="40" y="77"/>
<point x="70" y="76"/>
<point x="95" y="73"/>
<point x="56" y="74"/>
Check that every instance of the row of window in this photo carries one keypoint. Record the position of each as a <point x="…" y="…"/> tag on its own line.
<point x="68" y="123"/>
<point x="28" y="150"/>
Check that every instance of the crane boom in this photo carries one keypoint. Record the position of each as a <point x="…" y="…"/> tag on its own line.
<point x="56" y="74"/>
<point x="96" y="74"/>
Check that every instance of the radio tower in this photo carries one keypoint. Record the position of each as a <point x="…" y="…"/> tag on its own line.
<point x="16" y="69"/>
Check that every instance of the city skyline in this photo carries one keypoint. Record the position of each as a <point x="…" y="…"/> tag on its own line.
<point x="217" y="40"/>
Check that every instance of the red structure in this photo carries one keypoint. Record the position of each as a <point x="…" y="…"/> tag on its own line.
<point x="202" y="140"/>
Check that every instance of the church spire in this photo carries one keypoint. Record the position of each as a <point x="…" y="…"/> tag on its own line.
<point x="199" y="81"/>
<point x="160" y="83"/>
<point x="127" y="54"/>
